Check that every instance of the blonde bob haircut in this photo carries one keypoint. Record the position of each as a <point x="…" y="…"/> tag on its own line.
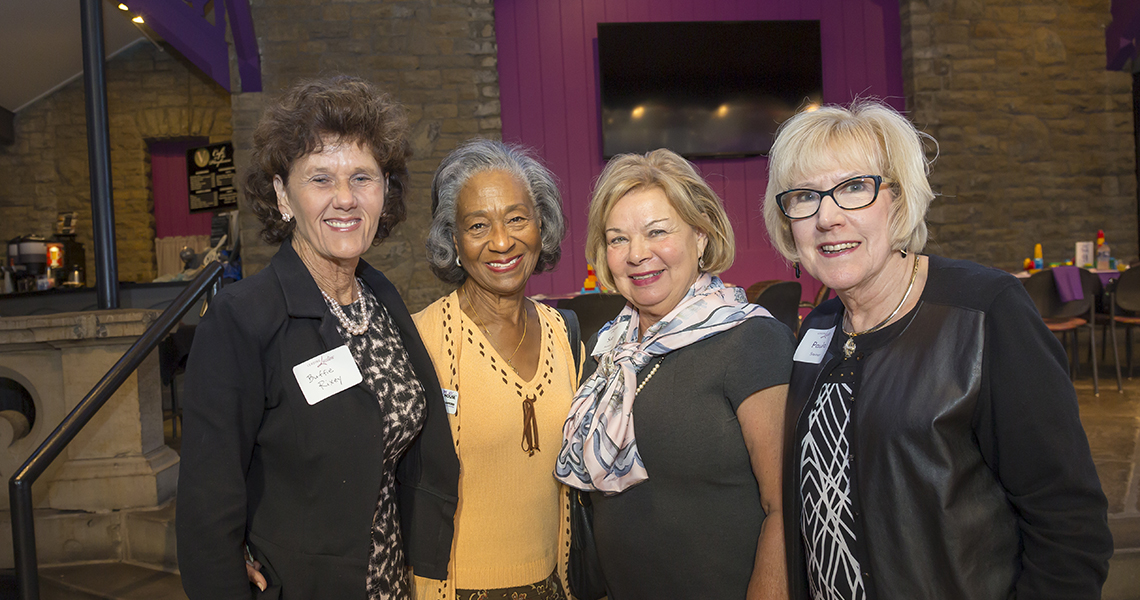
<point x="868" y="135"/>
<point x="687" y="193"/>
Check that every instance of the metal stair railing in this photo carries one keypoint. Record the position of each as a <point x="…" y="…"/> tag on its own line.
<point x="20" y="486"/>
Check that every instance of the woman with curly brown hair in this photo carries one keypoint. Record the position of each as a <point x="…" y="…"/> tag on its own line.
<point x="307" y="385"/>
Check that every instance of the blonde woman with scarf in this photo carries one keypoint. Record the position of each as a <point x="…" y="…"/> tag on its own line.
<point x="677" y="432"/>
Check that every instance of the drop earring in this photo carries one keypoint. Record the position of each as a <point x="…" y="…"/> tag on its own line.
<point x="797" y="266"/>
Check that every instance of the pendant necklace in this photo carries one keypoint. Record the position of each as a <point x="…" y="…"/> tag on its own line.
<point x="849" y="346"/>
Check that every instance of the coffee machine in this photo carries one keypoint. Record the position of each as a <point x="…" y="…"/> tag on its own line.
<point x="37" y="263"/>
<point x="27" y="262"/>
<point x="73" y="263"/>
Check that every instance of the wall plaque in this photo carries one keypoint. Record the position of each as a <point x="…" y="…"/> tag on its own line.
<point x="211" y="171"/>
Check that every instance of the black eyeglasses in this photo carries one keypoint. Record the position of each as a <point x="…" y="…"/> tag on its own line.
<point x="852" y="194"/>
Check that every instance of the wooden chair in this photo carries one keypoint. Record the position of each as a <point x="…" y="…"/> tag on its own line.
<point x="1068" y="318"/>
<point x="781" y="298"/>
<point x="593" y="310"/>
<point x="1125" y="298"/>
<point x="821" y="295"/>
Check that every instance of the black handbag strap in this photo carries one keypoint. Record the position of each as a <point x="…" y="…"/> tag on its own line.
<point x="574" y="332"/>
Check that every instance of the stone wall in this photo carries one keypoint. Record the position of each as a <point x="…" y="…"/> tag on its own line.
<point x="1036" y="140"/>
<point x="151" y="95"/>
<point x="1035" y="136"/>
<point x="435" y="56"/>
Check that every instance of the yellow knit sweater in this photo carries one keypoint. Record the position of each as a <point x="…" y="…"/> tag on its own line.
<point x="511" y="525"/>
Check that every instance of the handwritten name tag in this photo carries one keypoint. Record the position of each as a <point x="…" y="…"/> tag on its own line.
<point x="326" y="374"/>
<point x="606" y="342"/>
<point x="813" y="346"/>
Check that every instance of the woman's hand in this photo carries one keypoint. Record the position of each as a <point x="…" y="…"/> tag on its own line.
<point x="253" y="571"/>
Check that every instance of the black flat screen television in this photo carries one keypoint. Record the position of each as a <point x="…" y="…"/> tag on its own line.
<point x="707" y="88"/>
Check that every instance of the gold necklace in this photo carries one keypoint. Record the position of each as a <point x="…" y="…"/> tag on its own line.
<point x="479" y="320"/>
<point x="849" y="346"/>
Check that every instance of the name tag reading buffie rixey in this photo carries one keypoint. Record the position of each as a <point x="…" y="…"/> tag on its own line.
<point x="326" y="374"/>
<point x="813" y="346"/>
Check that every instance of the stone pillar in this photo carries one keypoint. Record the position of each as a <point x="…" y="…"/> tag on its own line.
<point x="119" y="460"/>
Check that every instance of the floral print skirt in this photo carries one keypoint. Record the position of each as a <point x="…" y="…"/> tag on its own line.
<point x="547" y="589"/>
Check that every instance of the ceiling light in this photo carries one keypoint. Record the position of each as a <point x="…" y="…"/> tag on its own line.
<point x="123" y="7"/>
<point x="137" y="19"/>
<point x="638" y="112"/>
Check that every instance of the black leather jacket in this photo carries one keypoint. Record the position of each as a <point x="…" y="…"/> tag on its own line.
<point x="971" y="476"/>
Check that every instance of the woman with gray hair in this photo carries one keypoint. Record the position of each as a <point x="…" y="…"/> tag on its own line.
<point x="502" y="360"/>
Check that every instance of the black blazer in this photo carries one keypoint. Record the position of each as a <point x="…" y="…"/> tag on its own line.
<point x="970" y="473"/>
<point x="299" y="482"/>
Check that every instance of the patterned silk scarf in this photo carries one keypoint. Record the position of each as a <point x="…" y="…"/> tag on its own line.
<point x="599" y="451"/>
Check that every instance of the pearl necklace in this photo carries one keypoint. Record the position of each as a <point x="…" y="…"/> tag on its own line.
<point x="647" y="378"/>
<point x="338" y="312"/>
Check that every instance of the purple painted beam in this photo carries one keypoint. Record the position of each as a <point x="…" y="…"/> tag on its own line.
<point x="245" y="44"/>
<point x="184" y="26"/>
<point x="1120" y="36"/>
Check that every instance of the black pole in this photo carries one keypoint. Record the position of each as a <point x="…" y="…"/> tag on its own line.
<point x="24" y="539"/>
<point x="99" y="155"/>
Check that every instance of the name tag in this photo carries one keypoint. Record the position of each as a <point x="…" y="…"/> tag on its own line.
<point x="813" y="346"/>
<point x="450" y="401"/>
<point x="326" y="374"/>
<point x="606" y="342"/>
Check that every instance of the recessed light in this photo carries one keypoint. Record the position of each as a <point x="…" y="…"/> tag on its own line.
<point x="123" y="7"/>
<point x="138" y="19"/>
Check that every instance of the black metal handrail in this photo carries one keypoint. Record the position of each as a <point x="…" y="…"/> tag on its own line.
<point x="20" y="486"/>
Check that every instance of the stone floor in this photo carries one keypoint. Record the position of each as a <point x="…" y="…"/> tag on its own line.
<point x="1112" y="423"/>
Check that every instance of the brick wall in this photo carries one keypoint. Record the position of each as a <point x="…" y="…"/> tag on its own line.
<point x="1036" y="139"/>
<point x="151" y="95"/>
<point x="435" y="56"/>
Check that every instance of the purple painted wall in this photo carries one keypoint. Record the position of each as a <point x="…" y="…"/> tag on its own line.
<point x="172" y="190"/>
<point x="548" y="86"/>
<point x="1120" y="35"/>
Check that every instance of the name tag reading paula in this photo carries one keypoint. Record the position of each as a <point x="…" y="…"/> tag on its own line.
<point x="813" y="346"/>
<point x="326" y="374"/>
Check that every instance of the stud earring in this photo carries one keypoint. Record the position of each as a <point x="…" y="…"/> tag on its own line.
<point x="286" y="218"/>
<point x="701" y="263"/>
<point x="797" y="266"/>
<point x="457" y="263"/>
<point x="903" y="252"/>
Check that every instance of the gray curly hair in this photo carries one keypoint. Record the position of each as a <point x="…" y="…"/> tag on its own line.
<point x="475" y="156"/>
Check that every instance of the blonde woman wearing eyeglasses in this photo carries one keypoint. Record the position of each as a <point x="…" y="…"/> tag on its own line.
<point x="933" y="447"/>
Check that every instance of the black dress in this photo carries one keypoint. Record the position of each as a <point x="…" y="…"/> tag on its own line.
<point x="387" y="372"/>
<point x="690" y="531"/>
